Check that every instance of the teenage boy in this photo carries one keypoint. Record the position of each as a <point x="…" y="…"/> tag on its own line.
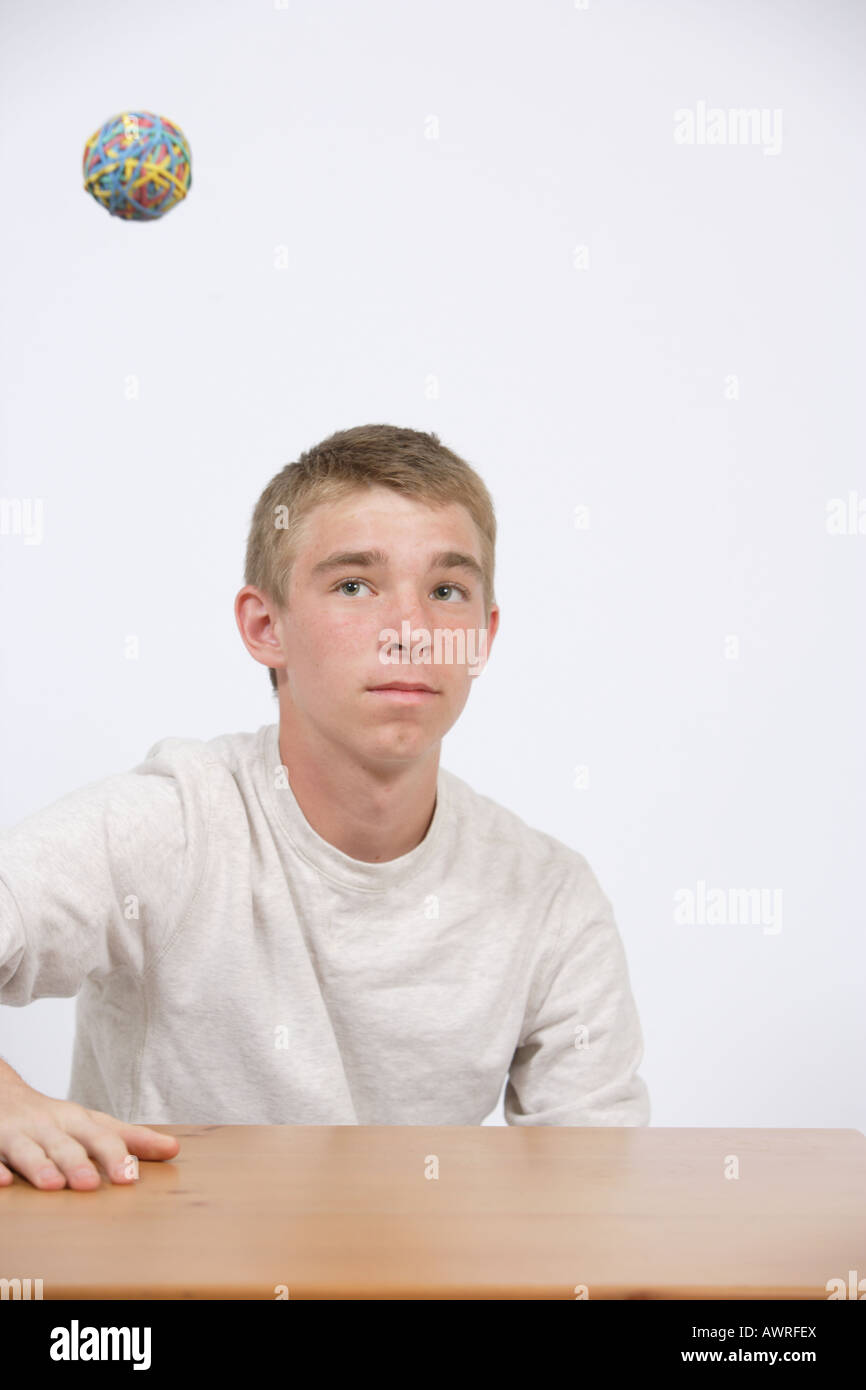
<point x="316" y="923"/>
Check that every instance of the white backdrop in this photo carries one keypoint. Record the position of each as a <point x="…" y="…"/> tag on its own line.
<point x="483" y="218"/>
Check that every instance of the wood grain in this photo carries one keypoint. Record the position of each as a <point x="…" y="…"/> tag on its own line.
<point x="535" y="1212"/>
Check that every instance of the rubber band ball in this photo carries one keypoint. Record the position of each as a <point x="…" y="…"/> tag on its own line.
<point x="138" y="166"/>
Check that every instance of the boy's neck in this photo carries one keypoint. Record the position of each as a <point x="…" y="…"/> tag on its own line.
<point x="373" y="815"/>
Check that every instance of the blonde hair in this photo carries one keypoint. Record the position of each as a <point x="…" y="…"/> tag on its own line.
<point x="409" y="461"/>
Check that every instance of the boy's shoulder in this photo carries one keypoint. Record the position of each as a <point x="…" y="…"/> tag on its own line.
<point x="230" y="749"/>
<point x="492" y="825"/>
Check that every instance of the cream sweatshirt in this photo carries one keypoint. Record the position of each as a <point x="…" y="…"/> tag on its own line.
<point x="233" y="967"/>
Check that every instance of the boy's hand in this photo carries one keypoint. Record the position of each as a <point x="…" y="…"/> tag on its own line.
<point x="51" y="1142"/>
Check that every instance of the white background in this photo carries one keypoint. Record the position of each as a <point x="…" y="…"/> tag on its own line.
<point x="438" y="283"/>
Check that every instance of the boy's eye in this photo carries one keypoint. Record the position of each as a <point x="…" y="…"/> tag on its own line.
<point x="457" y="588"/>
<point x="344" y="582"/>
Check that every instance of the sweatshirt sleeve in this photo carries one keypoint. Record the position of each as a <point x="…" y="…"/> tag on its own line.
<point x="581" y="1045"/>
<point x="96" y="881"/>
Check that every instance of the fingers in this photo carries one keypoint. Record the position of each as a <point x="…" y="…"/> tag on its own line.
<point x="140" y="1139"/>
<point x="55" y="1144"/>
<point x="33" y="1163"/>
<point x="103" y="1144"/>
<point x="149" y="1143"/>
<point x="71" y="1157"/>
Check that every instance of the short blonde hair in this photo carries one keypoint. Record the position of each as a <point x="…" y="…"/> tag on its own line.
<point x="409" y="461"/>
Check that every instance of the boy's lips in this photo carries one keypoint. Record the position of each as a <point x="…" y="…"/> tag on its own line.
<point x="403" y="693"/>
<point x="405" y="685"/>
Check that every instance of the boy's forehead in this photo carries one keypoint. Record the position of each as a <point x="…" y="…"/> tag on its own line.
<point x="361" y="519"/>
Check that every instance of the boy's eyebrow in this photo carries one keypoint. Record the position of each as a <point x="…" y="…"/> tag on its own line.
<point x="369" y="559"/>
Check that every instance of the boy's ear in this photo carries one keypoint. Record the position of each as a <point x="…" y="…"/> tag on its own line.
<point x="255" y="615"/>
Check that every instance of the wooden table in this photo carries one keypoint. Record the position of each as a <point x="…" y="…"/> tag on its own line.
<point x="262" y="1212"/>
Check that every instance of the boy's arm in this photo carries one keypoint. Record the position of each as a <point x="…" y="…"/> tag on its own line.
<point x="93" y="882"/>
<point x="89" y="883"/>
<point x="577" y="1059"/>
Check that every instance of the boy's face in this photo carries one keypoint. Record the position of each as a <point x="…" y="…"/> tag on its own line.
<point x="336" y="627"/>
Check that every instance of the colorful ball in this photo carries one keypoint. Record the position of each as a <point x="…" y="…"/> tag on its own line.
<point x="138" y="165"/>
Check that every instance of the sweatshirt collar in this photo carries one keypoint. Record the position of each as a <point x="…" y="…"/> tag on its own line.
<point x="320" y="853"/>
